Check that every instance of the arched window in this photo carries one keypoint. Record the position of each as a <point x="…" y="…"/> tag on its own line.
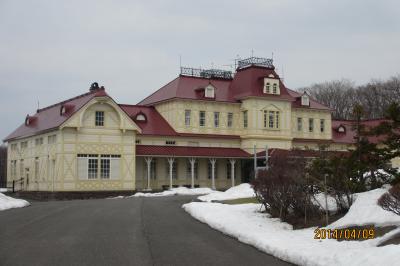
<point x="140" y="117"/>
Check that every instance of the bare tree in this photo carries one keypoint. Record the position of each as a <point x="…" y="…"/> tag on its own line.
<point x="3" y="165"/>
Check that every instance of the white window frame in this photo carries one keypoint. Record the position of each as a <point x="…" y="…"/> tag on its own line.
<point x="202" y="118"/>
<point x="216" y="119"/>
<point x="188" y="114"/>
<point x="209" y="92"/>
<point x="99" y="119"/>
<point x="230" y="120"/>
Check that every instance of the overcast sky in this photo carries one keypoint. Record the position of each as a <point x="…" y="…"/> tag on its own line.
<point x="53" y="50"/>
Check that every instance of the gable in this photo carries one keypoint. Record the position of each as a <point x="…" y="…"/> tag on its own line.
<point x="114" y="116"/>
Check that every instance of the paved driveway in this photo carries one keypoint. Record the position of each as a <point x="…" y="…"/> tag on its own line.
<point x="140" y="231"/>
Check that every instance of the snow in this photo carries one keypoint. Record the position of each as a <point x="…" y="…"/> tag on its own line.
<point x="241" y="191"/>
<point x="176" y="191"/>
<point x="320" y="201"/>
<point x="365" y="210"/>
<point x="3" y="190"/>
<point x="7" y="202"/>
<point x="245" y="223"/>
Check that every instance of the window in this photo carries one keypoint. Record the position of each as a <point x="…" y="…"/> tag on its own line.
<point x="299" y="124"/>
<point x="105" y="167"/>
<point x="267" y="88"/>
<point x="228" y="170"/>
<point x="174" y="169"/>
<point x="52" y="139"/>
<point x="216" y="119"/>
<point x="245" y="119"/>
<point x="170" y="142"/>
<point x="21" y="168"/>
<point x="322" y="125"/>
<point x="13" y="169"/>
<point x="274" y="89"/>
<point x="230" y="119"/>
<point x="14" y="147"/>
<point x="138" y="141"/>
<point x="92" y="168"/>
<point x="24" y="144"/>
<point x="209" y="170"/>
<point x="139" y="117"/>
<point x="38" y="141"/>
<point x="99" y="118"/>
<point x="189" y="169"/>
<point x="209" y="93"/>
<point x="37" y="168"/>
<point x="311" y="124"/>
<point x="202" y="118"/>
<point x="187" y="117"/>
<point x="271" y="119"/>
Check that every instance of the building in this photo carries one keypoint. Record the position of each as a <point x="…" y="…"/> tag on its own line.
<point x="201" y="129"/>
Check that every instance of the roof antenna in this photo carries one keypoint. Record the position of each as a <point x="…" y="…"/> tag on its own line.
<point x="180" y="62"/>
<point x="272" y="56"/>
<point x="252" y="53"/>
<point x="38" y="105"/>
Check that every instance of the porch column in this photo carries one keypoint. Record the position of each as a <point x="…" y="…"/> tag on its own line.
<point x="192" y="162"/>
<point x="171" y="165"/>
<point x="212" y="161"/>
<point x="148" y="161"/>
<point x="232" y="161"/>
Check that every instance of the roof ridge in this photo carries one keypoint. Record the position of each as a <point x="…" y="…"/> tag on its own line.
<point x="134" y="105"/>
<point x="66" y="101"/>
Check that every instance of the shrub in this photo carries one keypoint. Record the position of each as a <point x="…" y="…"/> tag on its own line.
<point x="390" y="201"/>
<point x="283" y="188"/>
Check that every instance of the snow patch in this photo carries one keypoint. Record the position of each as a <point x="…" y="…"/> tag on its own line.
<point x="245" y="223"/>
<point x="241" y="191"/>
<point x="7" y="202"/>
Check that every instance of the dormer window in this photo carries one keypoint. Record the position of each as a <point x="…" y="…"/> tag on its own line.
<point x="63" y="110"/>
<point x="267" y="88"/>
<point x="140" y="117"/>
<point x="271" y="86"/>
<point x="305" y="100"/>
<point x="341" y="129"/>
<point x="209" y="92"/>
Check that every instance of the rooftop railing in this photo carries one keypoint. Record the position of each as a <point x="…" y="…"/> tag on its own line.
<point x="206" y="73"/>
<point x="257" y="61"/>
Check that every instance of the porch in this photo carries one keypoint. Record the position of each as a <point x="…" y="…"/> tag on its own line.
<point x="160" y="167"/>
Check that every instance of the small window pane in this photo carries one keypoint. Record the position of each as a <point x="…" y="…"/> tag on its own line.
<point x="99" y="118"/>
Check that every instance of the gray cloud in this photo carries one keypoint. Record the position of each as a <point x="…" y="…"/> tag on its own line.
<point x="53" y="50"/>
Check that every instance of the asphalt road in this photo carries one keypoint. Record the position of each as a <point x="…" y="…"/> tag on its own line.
<point x="139" y="231"/>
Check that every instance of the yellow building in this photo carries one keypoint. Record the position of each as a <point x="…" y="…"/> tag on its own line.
<point x="200" y="129"/>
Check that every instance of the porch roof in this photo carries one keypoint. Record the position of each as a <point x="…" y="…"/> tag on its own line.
<point x="185" y="151"/>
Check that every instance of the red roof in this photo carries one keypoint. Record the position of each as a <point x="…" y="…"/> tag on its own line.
<point x="247" y="82"/>
<point x="184" y="151"/>
<point x="184" y="87"/>
<point x="348" y="137"/>
<point x="250" y="82"/>
<point x="50" y="117"/>
<point x="313" y="103"/>
<point x="154" y="124"/>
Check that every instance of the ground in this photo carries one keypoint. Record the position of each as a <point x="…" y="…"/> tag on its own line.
<point x="130" y="231"/>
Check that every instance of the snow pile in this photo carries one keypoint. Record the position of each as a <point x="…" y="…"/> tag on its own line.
<point x="249" y="226"/>
<point x="320" y="201"/>
<point x="365" y="210"/>
<point x="3" y="189"/>
<point x="241" y="191"/>
<point x="176" y="191"/>
<point x="9" y="203"/>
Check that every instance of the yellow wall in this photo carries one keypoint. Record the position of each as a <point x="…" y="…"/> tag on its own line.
<point x="79" y="135"/>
